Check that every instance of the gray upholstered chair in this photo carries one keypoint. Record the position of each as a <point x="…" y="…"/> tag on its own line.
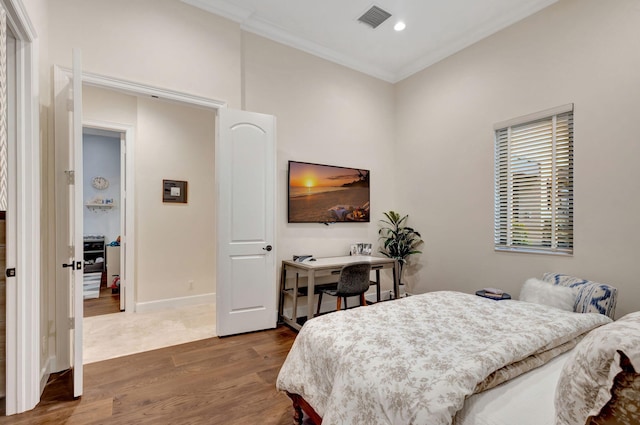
<point x="354" y="280"/>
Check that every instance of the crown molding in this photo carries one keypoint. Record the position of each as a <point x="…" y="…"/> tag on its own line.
<point x="219" y="7"/>
<point x="251" y="23"/>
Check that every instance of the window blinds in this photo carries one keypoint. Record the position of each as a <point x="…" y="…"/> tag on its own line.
<point x="534" y="183"/>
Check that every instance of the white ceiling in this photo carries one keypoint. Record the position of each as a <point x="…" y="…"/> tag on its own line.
<point x="330" y="28"/>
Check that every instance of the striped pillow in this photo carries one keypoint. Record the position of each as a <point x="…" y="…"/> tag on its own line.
<point x="591" y="297"/>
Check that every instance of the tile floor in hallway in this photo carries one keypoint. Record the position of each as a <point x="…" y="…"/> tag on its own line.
<point x="120" y="334"/>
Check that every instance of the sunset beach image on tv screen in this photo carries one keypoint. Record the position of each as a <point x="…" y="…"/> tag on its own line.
<point x="326" y="194"/>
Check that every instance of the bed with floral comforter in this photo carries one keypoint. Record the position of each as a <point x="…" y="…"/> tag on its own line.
<point x="415" y="360"/>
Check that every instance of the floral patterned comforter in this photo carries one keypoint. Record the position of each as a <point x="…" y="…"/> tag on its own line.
<point x="415" y="360"/>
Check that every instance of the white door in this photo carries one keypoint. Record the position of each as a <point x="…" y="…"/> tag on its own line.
<point x="123" y="221"/>
<point x="69" y="205"/>
<point x="246" y="260"/>
<point x="76" y="226"/>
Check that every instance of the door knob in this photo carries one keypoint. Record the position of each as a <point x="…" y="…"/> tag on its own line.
<point x="268" y="248"/>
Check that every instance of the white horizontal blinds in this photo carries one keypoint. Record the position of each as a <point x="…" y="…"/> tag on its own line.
<point x="563" y="179"/>
<point x="534" y="185"/>
<point x="502" y="192"/>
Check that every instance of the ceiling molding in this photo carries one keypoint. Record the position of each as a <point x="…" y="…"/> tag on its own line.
<point x="268" y="30"/>
<point x="249" y="21"/>
<point x="222" y="8"/>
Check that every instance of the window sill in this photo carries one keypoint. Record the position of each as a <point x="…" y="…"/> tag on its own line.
<point x="534" y="251"/>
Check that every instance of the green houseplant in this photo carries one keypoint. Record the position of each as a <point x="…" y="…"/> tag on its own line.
<point x="399" y="240"/>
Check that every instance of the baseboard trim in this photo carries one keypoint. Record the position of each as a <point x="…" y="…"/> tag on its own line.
<point x="175" y="302"/>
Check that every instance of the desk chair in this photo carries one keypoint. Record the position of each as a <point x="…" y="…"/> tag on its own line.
<point x="353" y="280"/>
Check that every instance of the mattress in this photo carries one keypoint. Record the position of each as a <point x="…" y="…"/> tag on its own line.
<point x="417" y="359"/>
<point x="525" y="400"/>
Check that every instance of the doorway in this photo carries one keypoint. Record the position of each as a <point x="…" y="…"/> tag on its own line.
<point x="174" y="253"/>
<point x="8" y="145"/>
<point x="102" y="223"/>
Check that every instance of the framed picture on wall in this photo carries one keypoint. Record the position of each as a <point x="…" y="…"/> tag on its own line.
<point x="174" y="191"/>
<point x="321" y="193"/>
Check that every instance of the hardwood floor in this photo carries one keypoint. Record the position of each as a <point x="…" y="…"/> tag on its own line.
<point x="227" y="380"/>
<point x="106" y="303"/>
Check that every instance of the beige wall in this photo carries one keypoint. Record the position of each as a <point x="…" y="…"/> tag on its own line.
<point x="162" y="43"/>
<point x="325" y="114"/>
<point x="109" y="106"/>
<point x="577" y="51"/>
<point x="175" y="243"/>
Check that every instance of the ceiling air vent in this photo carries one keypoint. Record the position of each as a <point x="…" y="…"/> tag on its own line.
<point x="374" y="16"/>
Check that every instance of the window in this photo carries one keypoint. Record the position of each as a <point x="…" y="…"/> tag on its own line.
<point x="534" y="182"/>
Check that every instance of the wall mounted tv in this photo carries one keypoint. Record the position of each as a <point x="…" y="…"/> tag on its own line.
<point x="327" y="193"/>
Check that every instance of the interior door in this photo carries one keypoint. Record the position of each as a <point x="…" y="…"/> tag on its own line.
<point x="246" y="261"/>
<point x="76" y="226"/>
<point x="123" y="221"/>
<point x="69" y="205"/>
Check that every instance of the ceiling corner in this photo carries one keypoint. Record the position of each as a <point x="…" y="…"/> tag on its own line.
<point x="222" y="8"/>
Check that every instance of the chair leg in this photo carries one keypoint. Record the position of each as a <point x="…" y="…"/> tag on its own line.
<point x="346" y="306"/>
<point x="319" y="302"/>
<point x="363" y="301"/>
<point x="339" y="300"/>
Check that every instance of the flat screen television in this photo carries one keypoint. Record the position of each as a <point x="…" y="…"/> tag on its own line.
<point x="327" y="193"/>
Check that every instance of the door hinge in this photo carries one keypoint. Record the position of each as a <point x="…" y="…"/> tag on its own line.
<point x="72" y="323"/>
<point x="70" y="102"/>
<point x="10" y="272"/>
<point x="72" y="251"/>
<point x="71" y="177"/>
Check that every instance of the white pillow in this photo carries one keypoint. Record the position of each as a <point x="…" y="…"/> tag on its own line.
<point x="541" y="292"/>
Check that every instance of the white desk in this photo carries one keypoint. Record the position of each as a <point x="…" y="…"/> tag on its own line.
<point x="325" y="267"/>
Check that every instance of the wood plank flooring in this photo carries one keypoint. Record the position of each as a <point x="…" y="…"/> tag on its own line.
<point x="227" y="380"/>
<point x="106" y="303"/>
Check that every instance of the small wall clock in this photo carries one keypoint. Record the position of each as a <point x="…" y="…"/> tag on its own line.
<point x="100" y="183"/>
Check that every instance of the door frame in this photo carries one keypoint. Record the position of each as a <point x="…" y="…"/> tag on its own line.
<point x="127" y="198"/>
<point x="23" y="362"/>
<point x="134" y="89"/>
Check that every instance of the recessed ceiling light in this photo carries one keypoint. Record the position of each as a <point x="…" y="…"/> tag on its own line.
<point x="399" y="26"/>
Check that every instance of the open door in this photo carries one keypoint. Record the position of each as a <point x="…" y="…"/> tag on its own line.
<point x="123" y="222"/>
<point x="76" y="278"/>
<point x="69" y="205"/>
<point x="246" y="261"/>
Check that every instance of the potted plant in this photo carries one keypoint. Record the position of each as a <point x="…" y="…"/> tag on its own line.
<point x="400" y="241"/>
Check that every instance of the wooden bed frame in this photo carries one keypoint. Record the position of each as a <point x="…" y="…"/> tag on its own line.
<point x="300" y="405"/>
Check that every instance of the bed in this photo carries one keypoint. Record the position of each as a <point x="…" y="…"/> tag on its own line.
<point x="442" y="357"/>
